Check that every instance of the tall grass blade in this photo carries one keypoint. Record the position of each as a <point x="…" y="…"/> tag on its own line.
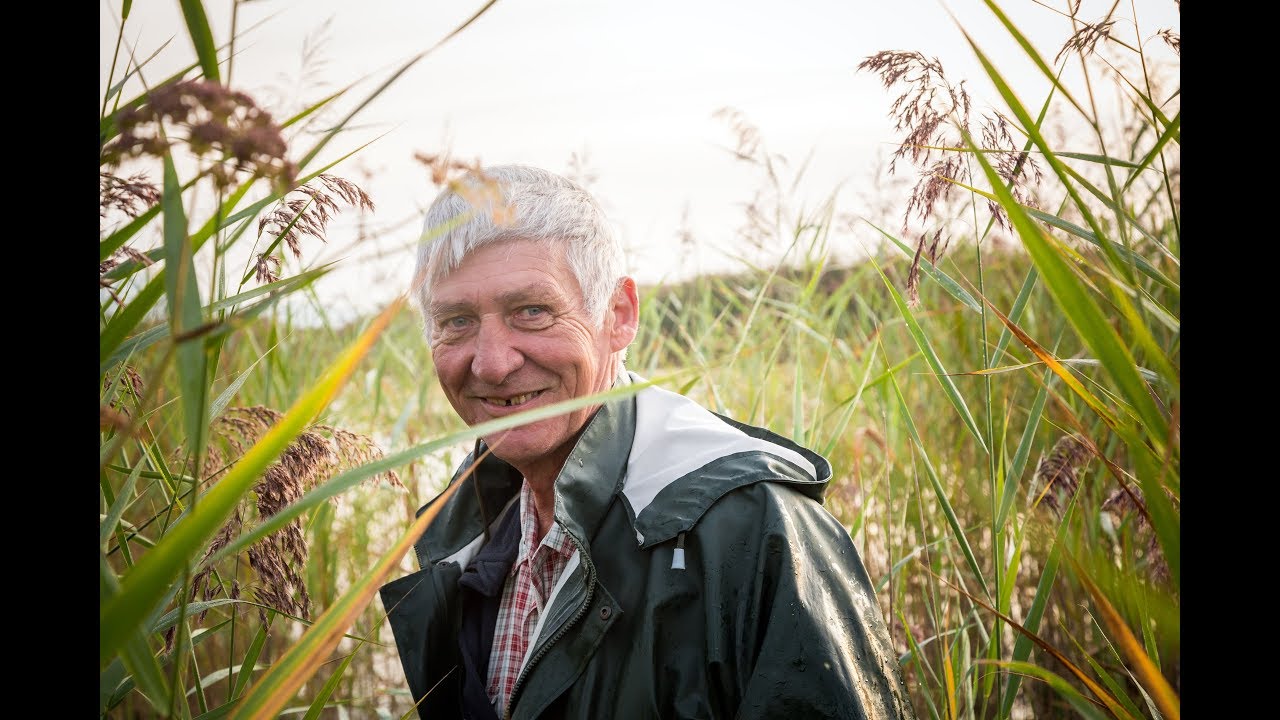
<point x="201" y="37"/>
<point x="387" y="83"/>
<point x="1044" y="590"/>
<point x="185" y="312"/>
<point x="1079" y="307"/>
<point x="1031" y="53"/>
<point x="123" y="322"/>
<point x="1117" y="690"/>
<point x="939" y="491"/>
<point x="322" y="697"/>
<point x="1148" y="674"/>
<point x="251" y="657"/>
<point x="136" y="655"/>
<point x="277" y="290"/>
<point x="1107" y="700"/>
<point x="940" y="373"/>
<point x="145" y="671"/>
<point x="134" y="69"/>
<point x="944" y="280"/>
<point x="1085" y="706"/>
<point x="1169" y="133"/>
<point x="1023" y="450"/>
<point x="1058" y="368"/>
<point x="1124" y="253"/>
<point x="123" y="497"/>
<point x="1015" y="312"/>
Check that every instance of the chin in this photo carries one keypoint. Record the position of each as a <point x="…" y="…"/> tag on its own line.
<point x="524" y="446"/>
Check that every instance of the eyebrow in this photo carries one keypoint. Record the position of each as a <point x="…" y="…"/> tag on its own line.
<point x="539" y="292"/>
<point x="535" y="292"/>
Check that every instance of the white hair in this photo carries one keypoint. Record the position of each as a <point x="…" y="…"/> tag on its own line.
<point x="505" y="203"/>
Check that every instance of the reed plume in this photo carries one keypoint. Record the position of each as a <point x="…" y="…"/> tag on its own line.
<point x="935" y="117"/>
<point x="316" y="455"/>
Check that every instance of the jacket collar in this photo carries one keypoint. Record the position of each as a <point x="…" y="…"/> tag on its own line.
<point x="596" y="467"/>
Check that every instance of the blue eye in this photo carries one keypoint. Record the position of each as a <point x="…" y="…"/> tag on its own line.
<point x="459" y="322"/>
<point x="533" y="317"/>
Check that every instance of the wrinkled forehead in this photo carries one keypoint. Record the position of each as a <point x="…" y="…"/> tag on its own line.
<point x="504" y="267"/>
<point x="513" y="251"/>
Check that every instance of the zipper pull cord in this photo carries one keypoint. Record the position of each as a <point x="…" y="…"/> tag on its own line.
<point x="677" y="556"/>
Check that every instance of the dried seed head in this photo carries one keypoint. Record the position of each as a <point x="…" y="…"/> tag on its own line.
<point x="926" y="102"/>
<point x="1172" y="39"/>
<point x="746" y="135"/>
<point x="1057" y="477"/>
<point x="278" y="561"/>
<point x="445" y="170"/>
<point x="580" y="169"/>
<point x="109" y="417"/>
<point x="130" y="196"/>
<point x="225" y="125"/>
<point x="913" y="276"/>
<point x="1124" y="501"/>
<point x="121" y="391"/>
<point x="306" y="212"/>
<point x="934" y="117"/>
<point x="1013" y="165"/>
<point x="266" y="269"/>
<point x="1085" y="40"/>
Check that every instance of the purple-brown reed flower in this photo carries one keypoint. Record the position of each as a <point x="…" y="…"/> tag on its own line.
<point x="277" y="561"/>
<point x="306" y="213"/>
<point x="222" y="126"/>
<point x="935" y="117"/>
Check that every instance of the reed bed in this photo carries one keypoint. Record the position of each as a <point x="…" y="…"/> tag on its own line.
<point x="996" y="383"/>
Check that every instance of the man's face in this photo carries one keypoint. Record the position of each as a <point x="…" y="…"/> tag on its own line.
<point x="509" y="332"/>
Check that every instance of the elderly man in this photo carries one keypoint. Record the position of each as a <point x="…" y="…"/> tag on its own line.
<point x="638" y="558"/>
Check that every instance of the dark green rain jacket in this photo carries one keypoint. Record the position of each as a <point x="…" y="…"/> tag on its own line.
<point x="709" y="581"/>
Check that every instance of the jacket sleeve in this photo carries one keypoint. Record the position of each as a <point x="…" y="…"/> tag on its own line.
<point x="806" y="630"/>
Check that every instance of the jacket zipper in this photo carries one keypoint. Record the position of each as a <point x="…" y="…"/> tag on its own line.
<point x="582" y="610"/>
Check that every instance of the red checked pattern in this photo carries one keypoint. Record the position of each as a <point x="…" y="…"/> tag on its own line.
<point x="524" y="596"/>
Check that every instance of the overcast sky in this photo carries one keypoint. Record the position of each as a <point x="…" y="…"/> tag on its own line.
<point x="631" y="88"/>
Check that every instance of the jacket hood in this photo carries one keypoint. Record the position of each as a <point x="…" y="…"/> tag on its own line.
<point x="684" y="458"/>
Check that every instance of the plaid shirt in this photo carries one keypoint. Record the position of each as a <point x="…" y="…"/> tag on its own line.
<point x="524" y="597"/>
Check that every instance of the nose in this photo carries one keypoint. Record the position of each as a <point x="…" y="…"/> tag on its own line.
<point x="496" y="356"/>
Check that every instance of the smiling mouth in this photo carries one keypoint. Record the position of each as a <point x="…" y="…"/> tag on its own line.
<point x="514" y="401"/>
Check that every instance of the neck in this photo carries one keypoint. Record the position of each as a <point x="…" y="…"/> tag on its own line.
<point x="544" y="502"/>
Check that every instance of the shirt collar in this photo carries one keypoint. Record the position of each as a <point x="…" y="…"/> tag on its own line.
<point x="555" y="539"/>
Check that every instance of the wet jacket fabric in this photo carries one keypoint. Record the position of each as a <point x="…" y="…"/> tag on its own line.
<point x="708" y="582"/>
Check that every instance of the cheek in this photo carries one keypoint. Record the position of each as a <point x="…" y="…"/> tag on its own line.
<point x="449" y="367"/>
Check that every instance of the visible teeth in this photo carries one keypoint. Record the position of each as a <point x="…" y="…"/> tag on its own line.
<point x="517" y="400"/>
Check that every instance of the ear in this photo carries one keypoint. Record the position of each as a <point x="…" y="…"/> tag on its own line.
<point x="624" y="308"/>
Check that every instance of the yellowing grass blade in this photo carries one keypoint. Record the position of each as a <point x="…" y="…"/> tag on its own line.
<point x="1148" y="674"/>
<point x="1086" y="706"/>
<point x="277" y="686"/>
<point x="354" y="476"/>
<point x="1057" y="367"/>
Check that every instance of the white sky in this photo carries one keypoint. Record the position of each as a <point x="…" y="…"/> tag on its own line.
<point x="632" y="86"/>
